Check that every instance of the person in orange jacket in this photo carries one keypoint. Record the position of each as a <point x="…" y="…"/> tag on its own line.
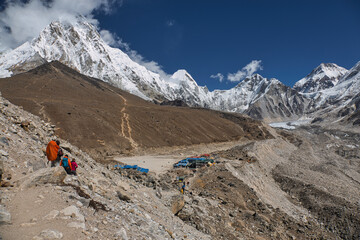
<point x="66" y="163"/>
<point x="54" y="152"/>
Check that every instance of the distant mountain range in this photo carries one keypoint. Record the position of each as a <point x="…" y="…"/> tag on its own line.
<point x="328" y="93"/>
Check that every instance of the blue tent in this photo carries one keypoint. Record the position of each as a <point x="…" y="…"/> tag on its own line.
<point x="140" y="169"/>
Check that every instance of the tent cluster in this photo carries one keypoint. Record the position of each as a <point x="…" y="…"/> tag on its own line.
<point x="195" y="161"/>
<point x="140" y="169"/>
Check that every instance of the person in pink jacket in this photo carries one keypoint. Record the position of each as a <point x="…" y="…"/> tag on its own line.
<point x="74" y="166"/>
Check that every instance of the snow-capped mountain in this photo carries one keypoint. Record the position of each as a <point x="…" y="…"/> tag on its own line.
<point x="338" y="102"/>
<point x="80" y="47"/>
<point x="323" y="77"/>
<point x="184" y="87"/>
<point x="347" y="86"/>
<point x="278" y="102"/>
<point x="245" y="94"/>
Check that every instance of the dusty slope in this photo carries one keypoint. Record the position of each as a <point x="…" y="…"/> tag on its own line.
<point x="39" y="202"/>
<point x="100" y="118"/>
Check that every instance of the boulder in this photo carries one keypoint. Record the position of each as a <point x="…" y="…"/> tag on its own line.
<point x="84" y="201"/>
<point x="123" y="196"/>
<point x="158" y="192"/>
<point x="4" y="141"/>
<point x="54" y="175"/>
<point x="5" y="216"/>
<point x="121" y="234"/>
<point x="36" y="164"/>
<point x="4" y="153"/>
<point x="177" y="203"/>
<point x="25" y="125"/>
<point x="72" y="180"/>
<point x="49" y="234"/>
<point x="73" y="212"/>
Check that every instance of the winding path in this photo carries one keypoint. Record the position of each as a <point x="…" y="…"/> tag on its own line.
<point x="125" y="123"/>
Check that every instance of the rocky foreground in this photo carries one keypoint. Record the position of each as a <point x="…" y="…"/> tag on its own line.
<point x="299" y="185"/>
<point x="39" y="202"/>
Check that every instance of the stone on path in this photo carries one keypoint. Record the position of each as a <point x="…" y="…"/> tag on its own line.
<point x="73" y="212"/>
<point x="49" y="234"/>
<point x="5" y="216"/>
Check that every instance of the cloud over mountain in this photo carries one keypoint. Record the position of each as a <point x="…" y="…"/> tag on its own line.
<point x="21" y="22"/>
<point x="247" y="71"/>
<point x="218" y="76"/>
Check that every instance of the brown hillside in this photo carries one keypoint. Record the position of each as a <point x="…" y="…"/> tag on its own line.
<point x="102" y="119"/>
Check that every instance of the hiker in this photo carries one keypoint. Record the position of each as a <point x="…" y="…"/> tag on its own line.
<point x="54" y="152"/>
<point x="183" y="188"/>
<point x="74" y="166"/>
<point x="65" y="162"/>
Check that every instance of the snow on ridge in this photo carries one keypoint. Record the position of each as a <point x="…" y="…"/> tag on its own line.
<point x="326" y="75"/>
<point x="17" y="57"/>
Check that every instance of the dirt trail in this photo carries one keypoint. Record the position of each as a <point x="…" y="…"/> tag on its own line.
<point x="125" y="122"/>
<point x="42" y="111"/>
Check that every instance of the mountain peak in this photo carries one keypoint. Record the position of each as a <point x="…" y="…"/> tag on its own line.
<point x="255" y="76"/>
<point x="325" y="76"/>
<point x="182" y="75"/>
<point x="325" y="67"/>
<point x="252" y="81"/>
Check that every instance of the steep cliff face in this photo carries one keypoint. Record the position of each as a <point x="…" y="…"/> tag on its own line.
<point x="278" y="103"/>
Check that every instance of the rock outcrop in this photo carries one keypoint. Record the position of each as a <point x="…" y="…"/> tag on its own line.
<point x="44" y="176"/>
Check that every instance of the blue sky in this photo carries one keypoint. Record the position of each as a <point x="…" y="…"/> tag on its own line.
<point x="283" y="39"/>
<point x="290" y="37"/>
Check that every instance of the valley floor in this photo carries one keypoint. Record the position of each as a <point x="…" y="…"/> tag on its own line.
<point x="161" y="160"/>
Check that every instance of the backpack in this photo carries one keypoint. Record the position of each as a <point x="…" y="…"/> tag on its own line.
<point x="65" y="162"/>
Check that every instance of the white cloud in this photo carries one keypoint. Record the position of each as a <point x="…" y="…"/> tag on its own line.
<point x="246" y="71"/>
<point x="218" y="76"/>
<point x="20" y="22"/>
<point x="108" y="38"/>
<point x="150" y="65"/>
